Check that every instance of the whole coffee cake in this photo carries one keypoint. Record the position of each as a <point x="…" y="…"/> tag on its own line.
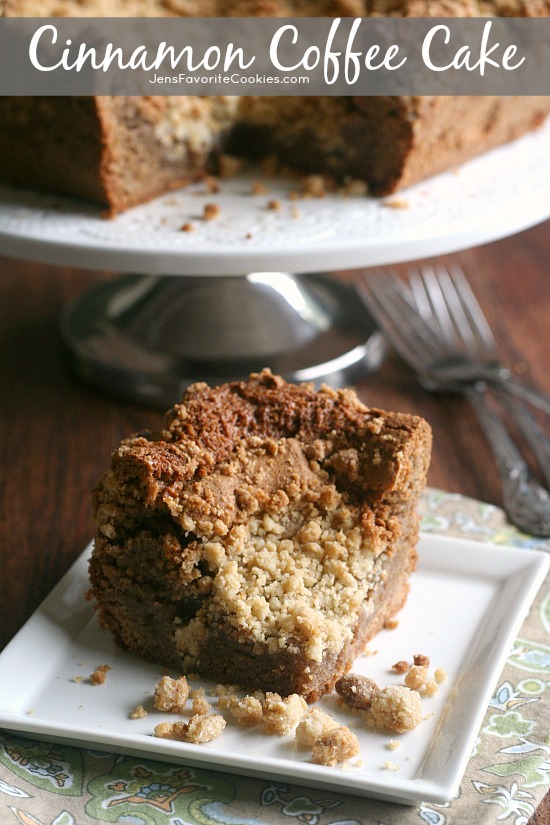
<point x="263" y="536"/>
<point x="122" y="151"/>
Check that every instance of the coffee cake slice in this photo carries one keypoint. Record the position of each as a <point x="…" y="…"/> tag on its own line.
<point x="263" y="536"/>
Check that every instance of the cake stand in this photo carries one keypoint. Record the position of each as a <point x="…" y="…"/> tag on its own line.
<point x="216" y="299"/>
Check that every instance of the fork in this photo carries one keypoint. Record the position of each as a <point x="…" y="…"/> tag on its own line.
<point x="451" y="336"/>
<point x="435" y="353"/>
<point x="445" y="299"/>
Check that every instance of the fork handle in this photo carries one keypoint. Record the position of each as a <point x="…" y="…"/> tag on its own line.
<point x="507" y="456"/>
<point x="511" y="385"/>
<point x="537" y="439"/>
<point x="525" y="501"/>
<point x="465" y="371"/>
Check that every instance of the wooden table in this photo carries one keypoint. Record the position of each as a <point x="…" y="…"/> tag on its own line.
<point x="56" y="435"/>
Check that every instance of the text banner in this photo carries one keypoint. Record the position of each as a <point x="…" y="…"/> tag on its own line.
<point x="274" y="56"/>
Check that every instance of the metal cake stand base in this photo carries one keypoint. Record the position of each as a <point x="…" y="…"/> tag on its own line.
<point x="146" y="338"/>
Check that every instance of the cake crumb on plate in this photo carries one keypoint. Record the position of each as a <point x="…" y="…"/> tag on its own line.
<point x="199" y="730"/>
<point x="171" y="694"/>
<point x="356" y="691"/>
<point x="280" y="716"/>
<point x="396" y="708"/>
<point x="416" y="677"/>
<point x="335" y="745"/>
<point x="312" y="724"/>
<point x="421" y="659"/>
<point x="100" y="674"/>
<point x="211" y="211"/>
<point x="200" y="704"/>
<point x="246" y="710"/>
<point x="430" y="688"/>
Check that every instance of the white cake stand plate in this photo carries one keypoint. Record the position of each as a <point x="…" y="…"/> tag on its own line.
<point x="236" y="293"/>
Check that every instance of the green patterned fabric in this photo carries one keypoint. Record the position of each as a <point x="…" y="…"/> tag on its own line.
<point x="507" y="776"/>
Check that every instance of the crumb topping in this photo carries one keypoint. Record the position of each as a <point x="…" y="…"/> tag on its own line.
<point x="396" y="203"/>
<point x="172" y="730"/>
<point x="416" y="677"/>
<point x="356" y="691"/>
<point x="199" y="730"/>
<point x="200" y="704"/>
<point x="211" y="211"/>
<point x="429" y="688"/>
<point x="171" y="694"/>
<point x="335" y="745"/>
<point x="204" y="728"/>
<point x="315" y="185"/>
<point x="396" y="708"/>
<point x="280" y="716"/>
<point x="100" y="674"/>
<point x="258" y="188"/>
<point x="421" y="659"/>
<point x="226" y="690"/>
<point x="310" y="727"/>
<point x="212" y="184"/>
<point x="294" y="577"/>
<point x="247" y="710"/>
<point x="279" y="588"/>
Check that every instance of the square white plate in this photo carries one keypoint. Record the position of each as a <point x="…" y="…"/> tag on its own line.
<point x="466" y="605"/>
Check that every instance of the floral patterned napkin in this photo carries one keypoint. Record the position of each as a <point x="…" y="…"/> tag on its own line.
<point x="508" y="774"/>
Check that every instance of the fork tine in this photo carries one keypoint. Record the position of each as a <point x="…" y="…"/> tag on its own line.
<point x="470" y="304"/>
<point x="446" y="298"/>
<point x="390" y="302"/>
<point x="399" y="298"/>
<point x="464" y="334"/>
<point x="373" y="296"/>
<point x="419" y="294"/>
<point x="428" y="290"/>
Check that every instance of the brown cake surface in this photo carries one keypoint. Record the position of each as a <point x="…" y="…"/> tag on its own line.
<point x="116" y="151"/>
<point x="263" y="536"/>
<point x="276" y="8"/>
<point x="120" y="152"/>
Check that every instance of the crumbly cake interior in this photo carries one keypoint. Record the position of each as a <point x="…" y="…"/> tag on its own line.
<point x="192" y="124"/>
<point x="263" y="536"/>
